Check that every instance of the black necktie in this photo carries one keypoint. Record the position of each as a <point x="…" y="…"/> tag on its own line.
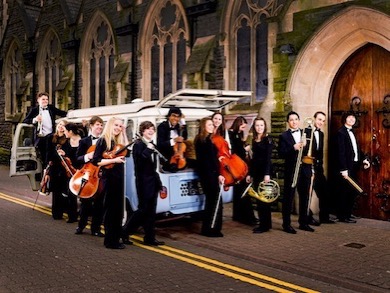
<point x="93" y="137"/>
<point x="293" y="131"/>
<point x="43" y="109"/>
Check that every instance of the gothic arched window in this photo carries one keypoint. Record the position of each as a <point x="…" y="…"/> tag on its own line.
<point x="249" y="40"/>
<point x="166" y="54"/>
<point x="52" y="63"/>
<point x="101" y="59"/>
<point x="14" y="74"/>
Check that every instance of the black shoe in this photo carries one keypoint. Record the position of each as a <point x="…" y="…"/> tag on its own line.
<point x="259" y="230"/>
<point x="355" y="217"/>
<point x="97" y="234"/>
<point x="212" y="234"/>
<point x="306" y="228"/>
<point x="71" y="221"/>
<point x="314" y="222"/>
<point x="347" y="220"/>
<point x="328" y="221"/>
<point x="154" y="242"/>
<point x="289" y="230"/>
<point x="116" y="246"/>
<point x="78" y="231"/>
<point x="127" y="241"/>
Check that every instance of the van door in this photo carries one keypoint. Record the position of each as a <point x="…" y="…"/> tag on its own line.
<point x="24" y="159"/>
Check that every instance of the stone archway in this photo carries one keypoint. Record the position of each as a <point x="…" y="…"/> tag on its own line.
<point x="319" y="61"/>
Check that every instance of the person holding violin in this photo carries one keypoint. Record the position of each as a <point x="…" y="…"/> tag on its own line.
<point x="260" y="169"/>
<point x="67" y="154"/>
<point x="242" y="207"/>
<point x="208" y="168"/>
<point x="113" y="138"/>
<point x="92" y="205"/>
<point x="170" y="137"/>
<point x="57" y="172"/>
<point x="148" y="184"/>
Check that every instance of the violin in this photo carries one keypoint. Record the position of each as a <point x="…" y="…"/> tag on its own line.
<point x="86" y="181"/>
<point x="232" y="167"/>
<point x="67" y="164"/>
<point x="119" y="150"/>
<point x="178" y="156"/>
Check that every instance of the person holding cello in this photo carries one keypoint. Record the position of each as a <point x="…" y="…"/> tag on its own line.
<point x="92" y="205"/>
<point x="212" y="181"/>
<point x="67" y="154"/>
<point x="112" y="163"/>
<point x="170" y="139"/>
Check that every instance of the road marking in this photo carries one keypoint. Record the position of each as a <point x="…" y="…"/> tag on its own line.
<point x="206" y="263"/>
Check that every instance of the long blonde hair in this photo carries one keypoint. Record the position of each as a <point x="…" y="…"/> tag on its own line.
<point x="109" y="137"/>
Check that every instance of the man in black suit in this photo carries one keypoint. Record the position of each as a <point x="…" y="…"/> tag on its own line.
<point x="169" y="133"/>
<point x="148" y="185"/>
<point x="349" y="156"/>
<point x="289" y="145"/>
<point x="43" y="117"/>
<point x="93" y="205"/>
<point x="320" y="184"/>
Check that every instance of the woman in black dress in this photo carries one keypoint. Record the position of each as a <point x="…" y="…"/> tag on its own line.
<point x="242" y="207"/>
<point x="210" y="179"/>
<point x="73" y="134"/>
<point x="57" y="172"/>
<point x="260" y="169"/>
<point x="114" y="134"/>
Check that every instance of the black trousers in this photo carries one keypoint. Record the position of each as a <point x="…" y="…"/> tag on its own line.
<point x="346" y="195"/>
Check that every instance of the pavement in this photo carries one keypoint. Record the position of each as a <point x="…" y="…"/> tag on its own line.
<point x="352" y="256"/>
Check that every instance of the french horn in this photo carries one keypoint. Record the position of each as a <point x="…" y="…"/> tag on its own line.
<point x="267" y="192"/>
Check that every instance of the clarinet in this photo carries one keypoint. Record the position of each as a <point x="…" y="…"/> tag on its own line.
<point x="160" y="155"/>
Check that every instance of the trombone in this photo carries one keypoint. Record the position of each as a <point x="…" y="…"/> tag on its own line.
<point x="307" y="159"/>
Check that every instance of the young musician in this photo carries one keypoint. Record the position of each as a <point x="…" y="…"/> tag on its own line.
<point x="219" y="124"/>
<point x="43" y="117"/>
<point x="148" y="185"/>
<point x="113" y="134"/>
<point x="210" y="179"/>
<point x="169" y="133"/>
<point x="289" y="145"/>
<point x="93" y="205"/>
<point x="260" y="169"/>
<point x="68" y="151"/>
<point x="349" y="157"/>
<point x="58" y="185"/>
<point x="242" y="207"/>
<point x="320" y="184"/>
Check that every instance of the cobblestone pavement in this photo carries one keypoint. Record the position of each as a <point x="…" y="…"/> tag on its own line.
<point x="352" y="256"/>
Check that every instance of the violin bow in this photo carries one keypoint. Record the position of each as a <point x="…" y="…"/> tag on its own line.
<point x="217" y="206"/>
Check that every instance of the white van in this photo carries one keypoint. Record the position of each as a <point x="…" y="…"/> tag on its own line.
<point x="181" y="192"/>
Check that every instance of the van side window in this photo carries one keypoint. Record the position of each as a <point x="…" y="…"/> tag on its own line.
<point x="130" y="130"/>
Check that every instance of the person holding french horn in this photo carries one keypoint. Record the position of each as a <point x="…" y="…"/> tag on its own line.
<point x="297" y="174"/>
<point x="260" y="169"/>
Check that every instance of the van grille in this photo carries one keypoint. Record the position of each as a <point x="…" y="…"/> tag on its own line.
<point x="189" y="188"/>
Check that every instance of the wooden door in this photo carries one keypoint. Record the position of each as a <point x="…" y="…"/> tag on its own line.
<point x="363" y="85"/>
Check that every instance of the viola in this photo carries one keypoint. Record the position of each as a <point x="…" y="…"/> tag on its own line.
<point x="86" y="181"/>
<point x="232" y="167"/>
<point x="178" y="156"/>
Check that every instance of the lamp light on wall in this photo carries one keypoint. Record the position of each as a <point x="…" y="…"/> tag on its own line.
<point x="287" y="49"/>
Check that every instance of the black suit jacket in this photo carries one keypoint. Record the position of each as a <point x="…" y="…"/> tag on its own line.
<point x="84" y="144"/>
<point x="53" y="111"/>
<point x="147" y="179"/>
<point x="345" y="152"/>
<point x="164" y="137"/>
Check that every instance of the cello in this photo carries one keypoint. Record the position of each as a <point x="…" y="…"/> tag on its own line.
<point x="231" y="166"/>
<point x="85" y="182"/>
